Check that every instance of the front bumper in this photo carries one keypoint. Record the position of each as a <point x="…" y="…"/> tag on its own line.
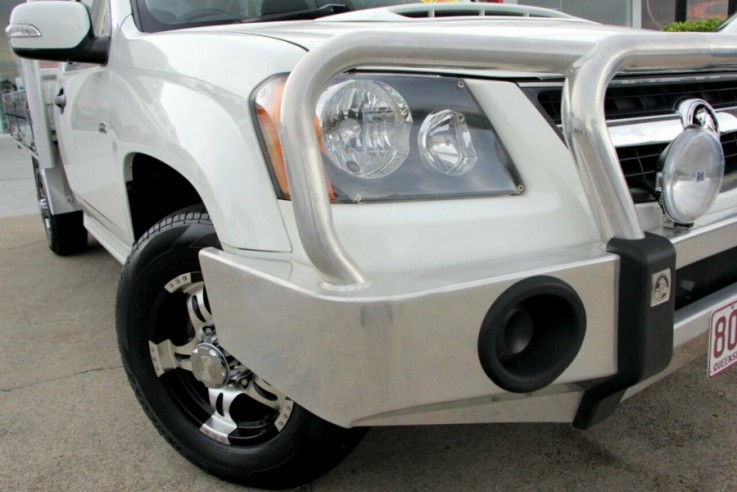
<point x="404" y="350"/>
<point x="401" y="347"/>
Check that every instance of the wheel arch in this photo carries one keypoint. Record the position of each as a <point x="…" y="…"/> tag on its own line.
<point x="154" y="191"/>
<point x="156" y="188"/>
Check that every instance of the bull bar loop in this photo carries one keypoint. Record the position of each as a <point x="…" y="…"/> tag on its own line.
<point x="588" y="68"/>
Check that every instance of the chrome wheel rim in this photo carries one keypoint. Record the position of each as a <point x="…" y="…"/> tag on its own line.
<point x="217" y="393"/>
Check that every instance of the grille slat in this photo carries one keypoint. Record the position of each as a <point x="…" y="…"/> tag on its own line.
<point x="625" y="101"/>
<point x="641" y="162"/>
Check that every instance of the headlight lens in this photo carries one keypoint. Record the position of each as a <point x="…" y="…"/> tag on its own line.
<point x="445" y="143"/>
<point x="365" y="128"/>
<point x="394" y="137"/>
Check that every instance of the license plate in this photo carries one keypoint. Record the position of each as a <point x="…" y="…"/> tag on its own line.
<point x="723" y="338"/>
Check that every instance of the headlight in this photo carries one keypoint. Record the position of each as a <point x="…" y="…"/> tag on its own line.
<point x="365" y="128"/>
<point x="692" y="174"/>
<point x="393" y="137"/>
<point x="445" y="143"/>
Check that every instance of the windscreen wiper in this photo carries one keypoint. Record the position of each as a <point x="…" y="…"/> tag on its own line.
<point x="324" y="11"/>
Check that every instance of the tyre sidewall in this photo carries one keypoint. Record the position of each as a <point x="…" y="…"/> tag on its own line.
<point x="159" y="257"/>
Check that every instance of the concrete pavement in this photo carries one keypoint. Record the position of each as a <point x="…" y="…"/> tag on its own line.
<point x="69" y="421"/>
<point x="17" y="195"/>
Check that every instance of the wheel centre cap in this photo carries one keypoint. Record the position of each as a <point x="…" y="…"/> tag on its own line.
<point x="210" y="366"/>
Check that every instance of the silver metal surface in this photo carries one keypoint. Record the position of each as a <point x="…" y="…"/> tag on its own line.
<point x="628" y="132"/>
<point x="394" y="48"/>
<point x="32" y="126"/>
<point x="691" y="330"/>
<point x="701" y="242"/>
<point x="481" y="9"/>
<point x="404" y="345"/>
<point x="209" y="365"/>
<point x="220" y="424"/>
<point x="410" y="344"/>
<point x="583" y="112"/>
<point x="15" y="107"/>
<point x="223" y="375"/>
<point x="584" y="122"/>
<point x="164" y="355"/>
<point x="43" y="144"/>
<point x="698" y="112"/>
<point x="661" y="129"/>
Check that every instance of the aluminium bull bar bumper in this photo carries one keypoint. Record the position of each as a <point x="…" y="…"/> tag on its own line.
<point x="356" y="350"/>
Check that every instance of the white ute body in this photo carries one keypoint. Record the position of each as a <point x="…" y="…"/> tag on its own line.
<point x="391" y="311"/>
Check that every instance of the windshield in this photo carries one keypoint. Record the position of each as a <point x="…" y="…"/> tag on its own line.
<point x="162" y="15"/>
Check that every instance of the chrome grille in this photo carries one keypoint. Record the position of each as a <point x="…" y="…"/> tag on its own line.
<point x="640" y="100"/>
<point x="637" y="101"/>
<point x="640" y="165"/>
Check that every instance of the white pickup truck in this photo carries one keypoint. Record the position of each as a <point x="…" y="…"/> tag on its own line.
<point x="343" y="214"/>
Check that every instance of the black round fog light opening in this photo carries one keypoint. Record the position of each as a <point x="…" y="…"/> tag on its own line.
<point x="517" y="333"/>
<point x="531" y="334"/>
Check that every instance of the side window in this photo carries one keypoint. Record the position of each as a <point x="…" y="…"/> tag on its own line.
<point x="100" y="14"/>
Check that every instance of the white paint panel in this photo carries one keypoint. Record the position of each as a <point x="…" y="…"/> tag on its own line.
<point x="62" y="24"/>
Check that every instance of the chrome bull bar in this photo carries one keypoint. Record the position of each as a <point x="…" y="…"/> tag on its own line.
<point x="588" y="68"/>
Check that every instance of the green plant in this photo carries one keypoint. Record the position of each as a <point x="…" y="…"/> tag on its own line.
<point x="696" y="25"/>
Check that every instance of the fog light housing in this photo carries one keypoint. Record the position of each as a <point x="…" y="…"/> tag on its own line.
<point x="691" y="175"/>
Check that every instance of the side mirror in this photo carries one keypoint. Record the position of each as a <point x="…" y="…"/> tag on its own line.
<point x="56" y="31"/>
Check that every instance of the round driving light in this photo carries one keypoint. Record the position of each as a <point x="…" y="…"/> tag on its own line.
<point x="365" y="127"/>
<point x="692" y="173"/>
<point x="445" y="143"/>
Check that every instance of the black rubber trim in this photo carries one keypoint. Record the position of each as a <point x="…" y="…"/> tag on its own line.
<point x="645" y="332"/>
<point x="705" y="277"/>
<point x="89" y="50"/>
<point x="557" y="319"/>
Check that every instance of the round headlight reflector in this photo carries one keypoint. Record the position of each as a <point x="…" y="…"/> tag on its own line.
<point x="692" y="174"/>
<point x="365" y="127"/>
<point x="445" y="143"/>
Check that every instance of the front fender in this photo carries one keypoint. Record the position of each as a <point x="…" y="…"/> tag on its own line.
<point x="184" y="99"/>
<point x="219" y="155"/>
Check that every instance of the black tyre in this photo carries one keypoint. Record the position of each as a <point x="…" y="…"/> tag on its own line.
<point x="65" y="233"/>
<point x="208" y="405"/>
